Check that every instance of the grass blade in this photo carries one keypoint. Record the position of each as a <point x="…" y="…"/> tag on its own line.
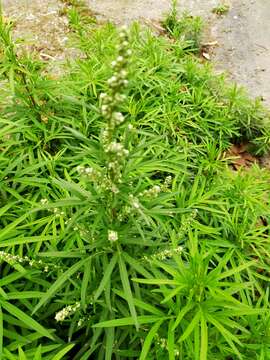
<point x="148" y="340"/>
<point x="144" y="319"/>
<point x="171" y="345"/>
<point x="127" y="289"/>
<point x="60" y="355"/>
<point x="1" y="332"/>
<point x="58" y="283"/>
<point x="19" y="314"/>
<point x="106" y="276"/>
<point x="191" y="326"/>
<point x="204" y="338"/>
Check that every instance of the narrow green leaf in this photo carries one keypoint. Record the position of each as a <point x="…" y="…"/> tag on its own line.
<point x="37" y="355"/>
<point x="181" y="314"/>
<point x="171" y="344"/>
<point x="22" y="355"/>
<point x="73" y="188"/>
<point x="228" y="336"/>
<point x="5" y="208"/>
<point x="63" y="352"/>
<point x="156" y="281"/>
<point x="7" y="230"/>
<point x="148" y="340"/>
<point x="141" y="304"/>
<point x="3" y="294"/>
<point x="173" y="293"/>
<point x="136" y="265"/>
<point x="19" y="314"/>
<point x="24" y="295"/>
<point x="191" y="326"/>
<point x="235" y="270"/>
<point x="169" y="269"/>
<point x="127" y="289"/>
<point x="106" y="276"/>
<point x="144" y="319"/>
<point x="109" y="343"/>
<point x="204" y="338"/>
<point x="1" y="332"/>
<point x="25" y="240"/>
<point x="85" y="281"/>
<point x="58" y="283"/>
<point x="11" y="278"/>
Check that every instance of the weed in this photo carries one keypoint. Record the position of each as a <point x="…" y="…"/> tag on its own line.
<point x="222" y="9"/>
<point x="123" y="231"/>
<point x="185" y="29"/>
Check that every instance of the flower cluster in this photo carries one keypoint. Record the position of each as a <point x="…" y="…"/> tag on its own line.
<point x="16" y="259"/>
<point x="117" y="149"/>
<point x="82" y="320"/>
<point x="186" y="223"/>
<point x="91" y="173"/>
<point x="167" y="183"/>
<point x="134" y="202"/>
<point x="66" y="312"/>
<point x="112" y="235"/>
<point x="44" y="201"/>
<point x="164" y="254"/>
<point x="57" y="212"/>
<point x="152" y="193"/>
<point x="133" y="206"/>
<point x="168" y="253"/>
<point x="110" y="102"/>
<point x="162" y="342"/>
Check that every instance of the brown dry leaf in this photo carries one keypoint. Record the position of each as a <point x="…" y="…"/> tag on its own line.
<point x="248" y="157"/>
<point x="237" y="163"/>
<point x="210" y="44"/>
<point x="155" y="25"/>
<point x="183" y="88"/>
<point x="44" y="118"/>
<point x="240" y="156"/>
<point x="237" y="149"/>
<point x="206" y="56"/>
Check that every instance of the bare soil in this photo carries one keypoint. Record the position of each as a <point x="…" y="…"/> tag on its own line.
<point x="242" y="35"/>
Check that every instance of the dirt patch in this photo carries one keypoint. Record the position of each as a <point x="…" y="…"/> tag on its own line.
<point x="242" y="36"/>
<point x="125" y="11"/>
<point x="40" y="26"/>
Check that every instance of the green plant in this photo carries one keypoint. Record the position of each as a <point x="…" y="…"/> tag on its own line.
<point x="186" y="29"/>
<point x="123" y="231"/>
<point x="222" y="9"/>
<point x="197" y="299"/>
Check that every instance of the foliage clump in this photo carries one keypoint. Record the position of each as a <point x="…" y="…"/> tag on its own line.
<point x="222" y="9"/>
<point x="124" y="232"/>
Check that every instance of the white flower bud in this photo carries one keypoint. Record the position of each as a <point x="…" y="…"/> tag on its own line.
<point x="119" y="59"/>
<point x="112" y="80"/>
<point x="123" y="73"/>
<point x="67" y="311"/>
<point x="112" y="235"/>
<point x="88" y="170"/>
<point x="118" y="118"/>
